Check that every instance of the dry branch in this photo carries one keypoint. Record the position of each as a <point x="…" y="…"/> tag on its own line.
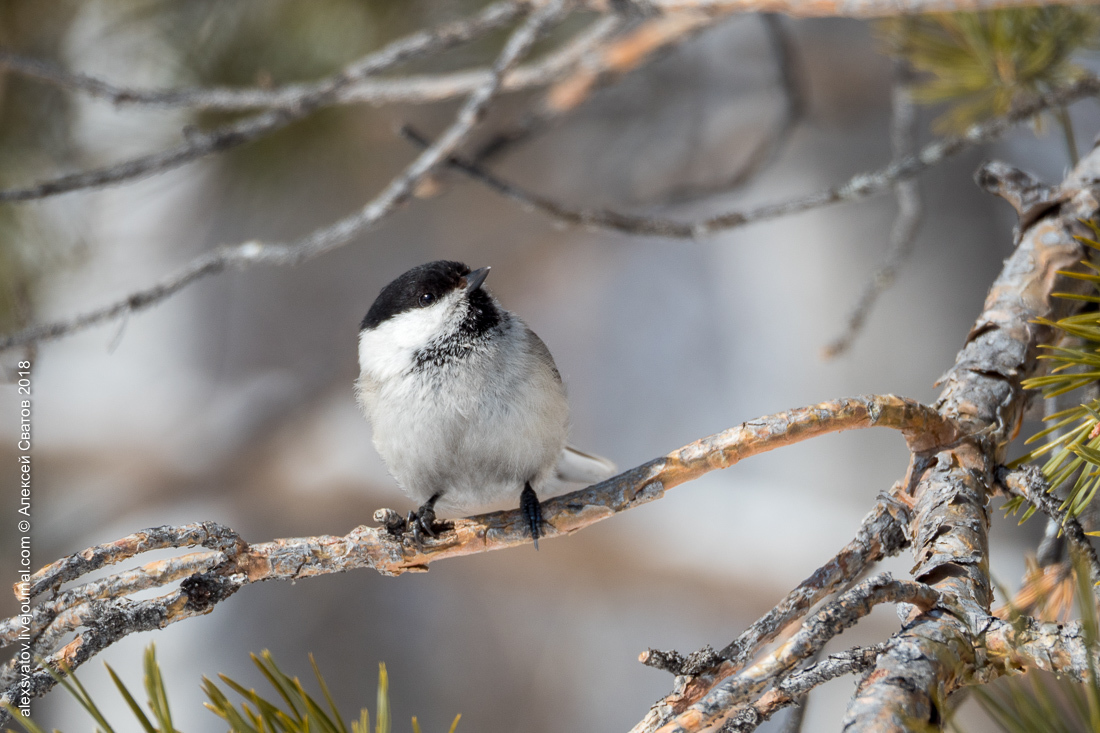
<point x="797" y="685"/>
<point x="101" y="613"/>
<point x="398" y="191"/>
<point x="364" y="89"/>
<point x="831" y="620"/>
<point x="1023" y="644"/>
<point x="946" y="493"/>
<point x="592" y="57"/>
<point x="1030" y="484"/>
<point x="880" y="535"/>
<point x="223" y="99"/>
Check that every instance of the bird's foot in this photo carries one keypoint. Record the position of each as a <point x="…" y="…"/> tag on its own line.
<point x="423" y="522"/>
<point x="532" y="512"/>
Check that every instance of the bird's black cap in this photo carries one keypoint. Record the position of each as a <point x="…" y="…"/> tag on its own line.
<point x="418" y="287"/>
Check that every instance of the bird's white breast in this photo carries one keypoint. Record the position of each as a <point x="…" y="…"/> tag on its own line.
<point x="474" y="428"/>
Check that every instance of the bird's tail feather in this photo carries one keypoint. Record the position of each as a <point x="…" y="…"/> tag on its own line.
<point x="575" y="466"/>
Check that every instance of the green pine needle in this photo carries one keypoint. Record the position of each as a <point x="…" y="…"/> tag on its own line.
<point x="1071" y="441"/>
<point x="983" y="64"/>
<point x="299" y="711"/>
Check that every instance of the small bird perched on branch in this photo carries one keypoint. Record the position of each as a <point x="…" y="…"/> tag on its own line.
<point x="465" y="401"/>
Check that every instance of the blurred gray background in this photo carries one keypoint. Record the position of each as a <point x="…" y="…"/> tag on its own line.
<point x="233" y="401"/>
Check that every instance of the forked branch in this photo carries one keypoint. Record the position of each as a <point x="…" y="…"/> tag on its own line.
<point x="101" y="612"/>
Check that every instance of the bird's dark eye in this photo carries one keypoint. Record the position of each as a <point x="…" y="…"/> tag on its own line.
<point x="426" y="299"/>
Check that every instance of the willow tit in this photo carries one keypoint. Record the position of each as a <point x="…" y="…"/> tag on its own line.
<point x="465" y="402"/>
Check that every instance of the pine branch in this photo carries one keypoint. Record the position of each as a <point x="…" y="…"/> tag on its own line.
<point x="101" y="612"/>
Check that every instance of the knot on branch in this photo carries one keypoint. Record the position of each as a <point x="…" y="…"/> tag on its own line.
<point x="204" y="590"/>
<point x="1030" y="197"/>
<point x="696" y="663"/>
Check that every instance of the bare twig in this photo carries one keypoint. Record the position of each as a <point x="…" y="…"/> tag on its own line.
<point x="210" y="535"/>
<point x="1028" y="482"/>
<point x="830" y="621"/>
<point x="339" y="233"/>
<point x="198" y="145"/>
<point x="880" y="535"/>
<point x="587" y="53"/>
<point x="856" y="188"/>
<point x="903" y="234"/>
<point x="798" y="684"/>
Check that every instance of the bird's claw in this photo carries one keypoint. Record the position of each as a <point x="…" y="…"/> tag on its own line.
<point x="532" y="511"/>
<point x="420" y="523"/>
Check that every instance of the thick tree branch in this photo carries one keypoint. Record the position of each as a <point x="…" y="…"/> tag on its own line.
<point x="947" y="490"/>
<point x="950" y="488"/>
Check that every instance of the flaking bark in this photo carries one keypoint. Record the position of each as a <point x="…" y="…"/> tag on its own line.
<point x="939" y="653"/>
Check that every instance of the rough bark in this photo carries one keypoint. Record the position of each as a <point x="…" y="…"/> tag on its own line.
<point x="938" y="653"/>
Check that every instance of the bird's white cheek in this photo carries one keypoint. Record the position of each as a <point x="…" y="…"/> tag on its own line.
<point x="388" y="349"/>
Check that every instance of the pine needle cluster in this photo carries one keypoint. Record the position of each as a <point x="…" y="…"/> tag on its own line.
<point x="295" y="710"/>
<point x="982" y="64"/>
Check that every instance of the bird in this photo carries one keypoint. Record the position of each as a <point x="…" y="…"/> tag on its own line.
<point x="466" y="405"/>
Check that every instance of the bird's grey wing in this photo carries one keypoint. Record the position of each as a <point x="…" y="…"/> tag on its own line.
<point x="577" y="467"/>
<point x="539" y="351"/>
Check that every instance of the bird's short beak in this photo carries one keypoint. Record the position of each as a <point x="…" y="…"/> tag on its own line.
<point x="475" y="278"/>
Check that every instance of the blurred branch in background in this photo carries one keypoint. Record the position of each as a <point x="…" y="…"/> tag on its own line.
<point x="290" y="105"/>
<point x="823" y="8"/>
<point x="618" y="56"/>
<point x="903" y="234"/>
<point x="791" y="75"/>
<point x="858" y="187"/>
